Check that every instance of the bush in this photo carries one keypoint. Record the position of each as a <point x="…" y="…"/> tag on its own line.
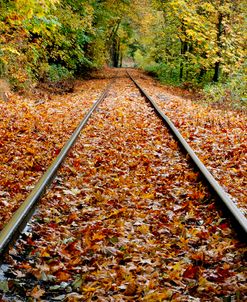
<point x="215" y="92"/>
<point x="167" y="74"/>
<point x="232" y="92"/>
<point x="58" y="73"/>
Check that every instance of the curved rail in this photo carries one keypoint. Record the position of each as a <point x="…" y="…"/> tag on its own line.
<point x="19" y="219"/>
<point x="239" y="219"/>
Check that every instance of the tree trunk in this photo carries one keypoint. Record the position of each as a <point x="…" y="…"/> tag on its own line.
<point x="216" y="71"/>
<point x="115" y="52"/>
<point x="219" y="45"/>
<point x="184" y="48"/>
<point x="181" y="71"/>
<point x="202" y="73"/>
<point x="114" y="44"/>
<point x="121" y="59"/>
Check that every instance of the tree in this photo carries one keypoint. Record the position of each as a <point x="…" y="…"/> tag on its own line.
<point x="209" y="34"/>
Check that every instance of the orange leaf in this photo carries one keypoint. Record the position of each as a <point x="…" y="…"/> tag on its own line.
<point x="63" y="276"/>
<point x="98" y="236"/>
<point x="72" y="217"/>
<point x="37" y="292"/>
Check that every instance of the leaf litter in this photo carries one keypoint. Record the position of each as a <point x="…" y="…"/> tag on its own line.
<point x="33" y="132"/>
<point x="127" y="219"/>
<point x="218" y="136"/>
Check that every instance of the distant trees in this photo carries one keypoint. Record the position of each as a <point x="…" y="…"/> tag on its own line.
<point x="196" y="41"/>
<point x="200" y="38"/>
<point x="56" y="39"/>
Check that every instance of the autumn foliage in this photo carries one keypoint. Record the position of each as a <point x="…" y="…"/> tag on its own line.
<point x="127" y="217"/>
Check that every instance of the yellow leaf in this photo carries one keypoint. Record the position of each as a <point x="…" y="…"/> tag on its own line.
<point x="45" y="254"/>
<point x="144" y="229"/>
<point x="157" y="297"/>
<point x="98" y="236"/>
<point x="148" y="196"/>
<point x="89" y="289"/>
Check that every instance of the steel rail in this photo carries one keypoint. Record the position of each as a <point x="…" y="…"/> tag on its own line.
<point x="19" y="219"/>
<point x="239" y="218"/>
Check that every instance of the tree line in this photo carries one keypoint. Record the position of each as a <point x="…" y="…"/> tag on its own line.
<point x="57" y="39"/>
<point x="181" y="41"/>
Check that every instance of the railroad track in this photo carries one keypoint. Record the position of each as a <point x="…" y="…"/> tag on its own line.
<point x="25" y="211"/>
<point x="238" y="217"/>
<point x="154" y="196"/>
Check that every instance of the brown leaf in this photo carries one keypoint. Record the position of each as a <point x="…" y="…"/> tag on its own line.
<point x="131" y="288"/>
<point x="62" y="276"/>
<point x="191" y="272"/>
<point x="37" y="292"/>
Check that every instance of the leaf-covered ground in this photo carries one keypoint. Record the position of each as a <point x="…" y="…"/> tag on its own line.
<point x="32" y="132"/>
<point x="127" y="219"/>
<point x="217" y="136"/>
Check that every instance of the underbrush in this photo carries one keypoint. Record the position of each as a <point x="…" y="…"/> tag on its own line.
<point x="56" y="73"/>
<point x="57" y="79"/>
<point x="164" y="73"/>
<point x="230" y="93"/>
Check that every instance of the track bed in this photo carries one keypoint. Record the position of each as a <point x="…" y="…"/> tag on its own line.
<point x="127" y="218"/>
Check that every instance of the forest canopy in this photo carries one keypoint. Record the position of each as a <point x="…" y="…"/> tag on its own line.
<point x="181" y="42"/>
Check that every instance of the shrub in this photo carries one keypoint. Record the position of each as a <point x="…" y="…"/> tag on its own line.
<point x="166" y="73"/>
<point x="58" y="73"/>
<point x="232" y="92"/>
